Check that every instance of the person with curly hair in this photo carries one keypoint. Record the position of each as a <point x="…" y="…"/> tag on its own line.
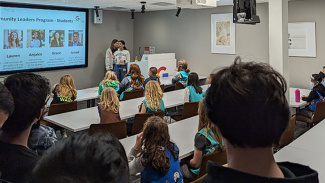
<point x="154" y="155"/>
<point x="153" y="99"/>
<point x="110" y="80"/>
<point x="133" y="80"/>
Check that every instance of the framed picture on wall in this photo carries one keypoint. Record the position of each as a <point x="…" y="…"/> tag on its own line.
<point x="223" y="34"/>
<point x="302" y="39"/>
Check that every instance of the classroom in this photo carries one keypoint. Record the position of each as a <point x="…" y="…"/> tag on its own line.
<point x="189" y="37"/>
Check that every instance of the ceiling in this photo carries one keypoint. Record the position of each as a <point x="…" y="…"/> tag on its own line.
<point x="117" y="5"/>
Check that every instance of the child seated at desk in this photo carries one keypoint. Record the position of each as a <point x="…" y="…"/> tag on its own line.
<point x="134" y="81"/>
<point x="316" y="93"/>
<point x="154" y="155"/>
<point x="153" y="75"/>
<point x="153" y="99"/>
<point x="193" y="91"/>
<point x="207" y="140"/>
<point x="110" y="80"/>
<point x="65" y="91"/>
<point x="108" y="107"/>
<point x="182" y="74"/>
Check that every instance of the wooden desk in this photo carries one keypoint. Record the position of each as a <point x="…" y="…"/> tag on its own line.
<point x="81" y="119"/>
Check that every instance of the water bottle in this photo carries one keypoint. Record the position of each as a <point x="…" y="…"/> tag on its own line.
<point x="297" y="94"/>
<point x="136" y="58"/>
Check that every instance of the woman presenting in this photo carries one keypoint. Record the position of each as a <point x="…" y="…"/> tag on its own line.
<point x="122" y="57"/>
<point x="109" y="59"/>
<point x="56" y="42"/>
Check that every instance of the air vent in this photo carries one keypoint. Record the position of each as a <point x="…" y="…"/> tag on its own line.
<point x="163" y="4"/>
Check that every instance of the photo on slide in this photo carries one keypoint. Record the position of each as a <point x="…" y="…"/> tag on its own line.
<point x="75" y="38"/>
<point x="12" y="39"/>
<point x="56" y="38"/>
<point x="35" y="38"/>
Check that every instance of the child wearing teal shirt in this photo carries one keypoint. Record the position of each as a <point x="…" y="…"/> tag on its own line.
<point x="193" y="91"/>
<point x="206" y="141"/>
<point x="153" y="99"/>
<point x="110" y="80"/>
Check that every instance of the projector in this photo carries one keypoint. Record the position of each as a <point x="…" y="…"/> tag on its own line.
<point x="196" y="4"/>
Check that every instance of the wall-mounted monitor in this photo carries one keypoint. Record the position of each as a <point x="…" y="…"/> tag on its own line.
<point x="39" y="38"/>
<point x="245" y="12"/>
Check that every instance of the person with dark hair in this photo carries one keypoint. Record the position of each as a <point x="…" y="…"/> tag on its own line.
<point x="134" y="81"/>
<point x="322" y="73"/>
<point x="56" y="41"/>
<point x="154" y="155"/>
<point x="153" y="76"/>
<point x="182" y="74"/>
<point x="75" y="40"/>
<point x="121" y="60"/>
<point x="247" y="102"/>
<point x="317" y="93"/>
<point x="6" y="104"/>
<point x="109" y="59"/>
<point x="99" y="158"/>
<point x="209" y="82"/>
<point x="36" y="42"/>
<point x="30" y="93"/>
<point x="193" y="91"/>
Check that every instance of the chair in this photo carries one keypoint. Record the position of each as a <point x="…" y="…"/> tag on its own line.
<point x="288" y="135"/>
<point x="219" y="157"/>
<point x="140" y="119"/>
<point x="118" y="129"/>
<point x="62" y="108"/>
<point x="199" y="179"/>
<point x="179" y="86"/>
<point x="132" y="94"/>
<point x="319" y="115"/>
<point x="58" y="109"/>
<point x="189" y="110"/>
<point x="162" y="88"/>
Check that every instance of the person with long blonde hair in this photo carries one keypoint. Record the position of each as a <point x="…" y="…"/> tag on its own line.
<point x="207" y="140"/>
<point x="13" y="41"/>
<point x="109" y="105"/>
<point x="153" y="99"/>
<point x="110" y="80"/>
<point x="65" y="91"/>
<point x="154" y="155"/>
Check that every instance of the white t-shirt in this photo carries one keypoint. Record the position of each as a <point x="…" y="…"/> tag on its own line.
<point x="122" y="55"/>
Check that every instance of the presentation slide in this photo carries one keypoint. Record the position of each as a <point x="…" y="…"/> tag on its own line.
<point x="42" y="39"/>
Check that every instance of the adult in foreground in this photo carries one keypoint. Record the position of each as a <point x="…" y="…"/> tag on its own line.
<point x="30" y="93"/>
<point x="99" y="158"/>
<point x="6" y="104"/>
<point x="247" y="102"/>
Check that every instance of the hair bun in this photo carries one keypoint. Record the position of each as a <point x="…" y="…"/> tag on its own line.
<point x="188" y="70"/>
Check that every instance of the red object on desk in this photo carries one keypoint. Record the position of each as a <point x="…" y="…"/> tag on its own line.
<point x="297" y="94"/>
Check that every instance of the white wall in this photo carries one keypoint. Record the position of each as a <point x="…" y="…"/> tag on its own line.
<point x="189" y="36"/>
<point x="300" y="69"/>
